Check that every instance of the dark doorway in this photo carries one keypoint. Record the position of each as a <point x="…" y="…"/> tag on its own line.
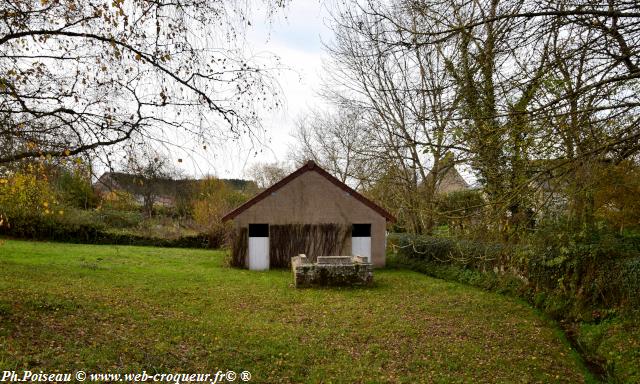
<point x="258" y="230"/>
<point x="361" y="230"/>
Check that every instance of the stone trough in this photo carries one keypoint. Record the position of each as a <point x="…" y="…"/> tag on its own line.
<point x="331" y="271"/>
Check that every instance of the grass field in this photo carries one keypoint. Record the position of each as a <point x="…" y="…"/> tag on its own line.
<point x="126" y="309"/>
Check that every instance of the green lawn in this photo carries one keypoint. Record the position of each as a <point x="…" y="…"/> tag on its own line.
<point x="125" y="309"/>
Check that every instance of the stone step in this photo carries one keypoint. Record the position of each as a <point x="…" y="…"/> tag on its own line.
<point x="335" y="260"/>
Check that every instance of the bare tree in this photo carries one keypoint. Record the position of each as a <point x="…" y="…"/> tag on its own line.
<point x="513" y="72"/>
<point x="78" y="76"/>
<point x="405" y="103"/>
<point x="147" y="171"/>
<point x="267" y="174"/>
<point x="337" y="141"/>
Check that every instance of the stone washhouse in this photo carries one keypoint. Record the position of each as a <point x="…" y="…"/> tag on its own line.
<point x="310" y="213"/>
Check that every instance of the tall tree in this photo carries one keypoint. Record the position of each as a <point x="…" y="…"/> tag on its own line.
<point x="337" y="141"/>
<point x="82" y="75"/>
<point x="267" y="174"/>
<point x="404" y="102"/>
<point x="517" y="68"/>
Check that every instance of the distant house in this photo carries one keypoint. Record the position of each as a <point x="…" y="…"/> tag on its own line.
<point x="449" y="181"/>
<point x="166" y="191"/>
<point x="308" y="212"/>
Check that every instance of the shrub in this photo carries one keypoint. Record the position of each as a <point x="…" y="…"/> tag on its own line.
<point x="73" y="183"/>
<point x="197" y="241"/>
<point x="71" y="229"/>
<point x="27" y="193"/>
<point x="120" y="219"/>
<point x="464" y="253"/>
<point x="119" y="201"/>
<point x="594" y="268"/>
<point x="60" y="228"/>
<point x="459" y="209"/>
<point x="215" y="198"/>
<point x="629" y="282"/>
<point x="567" y="276"/>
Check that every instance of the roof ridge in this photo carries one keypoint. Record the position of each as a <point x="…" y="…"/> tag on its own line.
<point x="308" y="167"/>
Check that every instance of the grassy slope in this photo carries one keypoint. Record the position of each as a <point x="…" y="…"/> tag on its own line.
<point x="122" y="309"/>
<point x="616" y="342"/>
<point x="613" y="344"/>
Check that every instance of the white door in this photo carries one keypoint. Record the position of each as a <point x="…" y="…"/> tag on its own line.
<point x="361" y="246"/>
<point x="258" y="253"/>
<point x="361" y="240"/>
<point x="258" y="247"/>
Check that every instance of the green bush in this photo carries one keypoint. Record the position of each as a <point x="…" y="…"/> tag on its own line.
<point x="120" y="219"/>
<point x="198" y="241"/>
<point x="74" y="186"/>
<point x="75" y="229"/>
<point x="464" y="253"/>
<point x="459" y="209"/>
<point x="596" y="270"/>
<point x="629" y="280"/>
<point x="568" y="277"/>
<point x="56" y="228"/>
<point x="633" y="239"/>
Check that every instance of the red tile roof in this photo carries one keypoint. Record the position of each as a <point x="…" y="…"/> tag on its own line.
<point x="309" y="167"/>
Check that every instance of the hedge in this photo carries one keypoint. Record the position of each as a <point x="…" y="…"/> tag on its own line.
<point x="61" y="229"/>
<point x="586" y="285"/>
<point x="566" y="279"/>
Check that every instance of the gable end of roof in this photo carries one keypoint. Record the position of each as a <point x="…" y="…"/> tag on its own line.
<point x="309" y="167"/>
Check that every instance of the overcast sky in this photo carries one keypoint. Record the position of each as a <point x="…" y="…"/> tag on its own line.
<point x="296" y="36"/>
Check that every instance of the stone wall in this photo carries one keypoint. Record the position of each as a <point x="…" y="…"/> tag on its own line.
<point x="331" y="271"/>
